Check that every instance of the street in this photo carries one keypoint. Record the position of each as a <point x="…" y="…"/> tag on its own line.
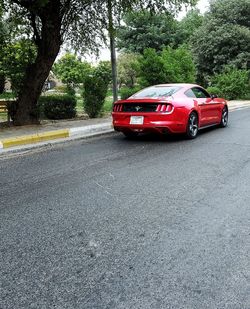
<point x="114" y="223"/>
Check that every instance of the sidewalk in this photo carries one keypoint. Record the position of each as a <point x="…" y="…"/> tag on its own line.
<point x="16" y="138"/>
<point x="237" y="104"/>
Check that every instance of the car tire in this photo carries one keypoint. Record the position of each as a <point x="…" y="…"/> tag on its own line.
<point x="224" y="118"/>
<point x="130" y="134"/>
<point x="192" y="126"/>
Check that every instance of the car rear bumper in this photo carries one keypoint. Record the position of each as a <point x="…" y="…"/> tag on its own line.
<point x="153" y="122"/>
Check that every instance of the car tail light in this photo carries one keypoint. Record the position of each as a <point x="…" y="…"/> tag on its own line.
<point x="169" y="108"/>
<point x="165" y="108"/>
<point x="117" y="108"/>
<point x="158" y="108"/>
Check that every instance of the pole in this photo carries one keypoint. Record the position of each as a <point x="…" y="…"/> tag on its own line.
<point x="112" y="51"/>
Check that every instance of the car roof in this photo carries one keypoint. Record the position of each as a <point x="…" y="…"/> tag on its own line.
<point x="183" y="88"/>
<point x="183" y="85"/>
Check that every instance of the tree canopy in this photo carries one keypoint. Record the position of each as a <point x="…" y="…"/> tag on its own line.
<point x="143" y="29"/>
<point x="186" y="27"/>
<point x="169" y="66"/>
<point x="178" y="65"/>
<point x="71" y="70"/>
<point x="80" y="23"/>
<point x="224" y="37"/>
<point x="15" y="58"/>
<point x="128" y="68"/>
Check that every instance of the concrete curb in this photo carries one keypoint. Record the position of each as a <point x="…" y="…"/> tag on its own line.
<point x="91" y="129"/>
<point x="33" y="141"/>
<point x="33" y="138"/>
<point x="236" y="108"/>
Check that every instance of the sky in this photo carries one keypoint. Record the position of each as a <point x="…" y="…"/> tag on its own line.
<point x="105" y="53"/>
<point x="202" y="6"/>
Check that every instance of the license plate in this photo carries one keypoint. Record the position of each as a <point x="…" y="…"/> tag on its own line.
<point x="136" y="120"/>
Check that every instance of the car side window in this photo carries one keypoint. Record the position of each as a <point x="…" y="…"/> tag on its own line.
<point x="190" y="94"/>
<point x="200" y="93"/>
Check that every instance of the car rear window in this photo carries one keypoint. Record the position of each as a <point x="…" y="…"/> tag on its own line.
<point x="156" y="92"/>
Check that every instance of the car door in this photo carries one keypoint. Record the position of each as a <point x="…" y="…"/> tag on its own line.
<point x="207" y="108"/>
<point x="218" y="107"/>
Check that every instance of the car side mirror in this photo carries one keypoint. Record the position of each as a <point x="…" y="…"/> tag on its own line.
<point x="214" y="96"/>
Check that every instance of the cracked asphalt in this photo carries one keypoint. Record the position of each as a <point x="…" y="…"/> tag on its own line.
<point x="113" y="223"/>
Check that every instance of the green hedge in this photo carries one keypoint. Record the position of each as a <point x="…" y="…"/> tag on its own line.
<point x="7" y="96"/>
<point x="232" y="84"/>
<point x="126" y="92"/>
<point x="215" y="91"/>
<point x="58" y="106"/>
<point x="95" y="90"/>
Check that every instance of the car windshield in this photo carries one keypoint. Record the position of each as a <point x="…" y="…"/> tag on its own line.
<point x="156" y="92"/>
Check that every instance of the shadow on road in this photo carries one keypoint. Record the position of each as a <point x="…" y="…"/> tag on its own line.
<point x="170" y="138"/>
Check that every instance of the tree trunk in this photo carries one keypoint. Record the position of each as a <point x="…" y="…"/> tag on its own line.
<point x="2" y="83"/>
<point x="36" y="75"/>
<point x="113" y="51"/>
<point x="25" y="111"/>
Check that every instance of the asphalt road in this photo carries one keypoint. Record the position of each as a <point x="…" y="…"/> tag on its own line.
<point x="113" y="223"/>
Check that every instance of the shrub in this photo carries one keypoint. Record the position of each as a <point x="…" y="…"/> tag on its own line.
<point x="58" y="106"/>
<point x="94" y="95"/>
<point x="95" y="90"/>
<point x="128" y="68"/>
<point x="233" y="83"/>
<point x="151" y="68"/>
<point x="169" y="66"/>
<point x="7" y="96"/>
<point x="214" y="90"/>
<point x="247" y="96"/>
<point x="71" y="70"/>
<point x="61" y="89"/>
<point x="127" y="92"/>
<point x="70" y="91"/>
<point x="178" y="65"/>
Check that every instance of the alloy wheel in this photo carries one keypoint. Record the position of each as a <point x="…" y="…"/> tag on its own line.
<point x="192" y="128"/>
<point x="224" y="118"/>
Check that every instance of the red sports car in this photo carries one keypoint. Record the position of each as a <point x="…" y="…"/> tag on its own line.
<point x="169" y="108"/>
